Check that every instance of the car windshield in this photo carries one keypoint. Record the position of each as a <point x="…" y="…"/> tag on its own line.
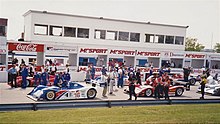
<point x="73" y="85"/>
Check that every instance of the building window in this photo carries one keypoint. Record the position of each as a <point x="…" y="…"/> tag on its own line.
<point x="135" y="37"/>
<point x="83" y="33"/>
<point x="2" y="59"/>
<point x="111" y="35"/>
<point x="56" y="30"/>
<point x="69" y="32"/>
<point x="169" y="39"/>
<point x="100" y="34"/>
<point x="84" y="61"/>
<point x="159" y="39"/>
<point x="179" y="40"/>
<point x="149" y="38"/>
<point x="40" y="29"/>
<point x="124" y="36"/>
<point x="2" y="31"/>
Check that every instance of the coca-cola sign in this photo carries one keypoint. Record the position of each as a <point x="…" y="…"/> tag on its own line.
<point x="29" y="47"/>
<point x="26" y="47"/>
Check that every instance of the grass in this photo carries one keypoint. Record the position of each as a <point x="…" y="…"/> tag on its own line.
<point x="205" y="113"/>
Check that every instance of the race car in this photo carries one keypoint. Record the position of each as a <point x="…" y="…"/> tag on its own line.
<point x="212" y="87"/>
<point x="73" y="90"/>
<point x="148" y="90"/>
<point x="30" y="81"/>
<point x="192" y="79"/>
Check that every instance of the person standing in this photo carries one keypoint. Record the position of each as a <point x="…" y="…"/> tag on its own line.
<point x="37" y="79"/>
<point x="203" y="82"/>
<point x="186" y="73"/>
<point x="44" y="78"/>
<point x="111" y="80"/>
<point x="116" y="79"/>
<point x="24" y="74"/>
<point x="138" y="76"/>
<point x="105" y="88"/>
<point x="157" y="88"/>
<point x="13" y="75"/>
<point x="58" y="80"/>
<point x="66" y="77"/>
<point x="93" y="72"/>
<point x="104" y="73"/>
<point x="132" y="82"/>
<point x="120" y="77"/>
<point x="166" y="88"/>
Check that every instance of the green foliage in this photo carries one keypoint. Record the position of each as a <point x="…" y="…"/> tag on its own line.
<point x="217" y="47"/>
<point x="198" y="113"/>
<point x="193" y="45"/>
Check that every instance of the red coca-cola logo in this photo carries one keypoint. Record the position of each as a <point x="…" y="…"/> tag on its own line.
<point x="28" y="47"/>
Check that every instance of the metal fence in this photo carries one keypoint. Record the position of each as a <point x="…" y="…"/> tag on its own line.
<point x="91" y="104"/>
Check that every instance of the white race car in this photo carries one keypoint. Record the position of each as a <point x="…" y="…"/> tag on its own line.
<point x="212" y="87"/>
<point x="74" y="90"/>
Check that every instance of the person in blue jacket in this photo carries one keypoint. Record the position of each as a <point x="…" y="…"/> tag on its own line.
<point x="24" y="74"/>
<point x="58" y="79"/>
<point x="37" y="77"/>
<point x="44" y="78"/>
<point x="92" y="72"/>
<point x="66" y="77"/>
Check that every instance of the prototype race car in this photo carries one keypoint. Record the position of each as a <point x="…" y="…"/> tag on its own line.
<point x="73" y="90"/>
<point x="212" y="87"/>
<point x="148" y="90"/>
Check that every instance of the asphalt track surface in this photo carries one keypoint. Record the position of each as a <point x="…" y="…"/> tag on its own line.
<point x="17" y="95"/>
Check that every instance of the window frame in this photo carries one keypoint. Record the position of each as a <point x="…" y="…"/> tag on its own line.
<point x="85" y="29"/>
<point x="41" y="25"/>
<point x="130" y="38"/>
<point x="72" y="32"/>
<point x="123" y="38"/>
<point x="51" y="30"/>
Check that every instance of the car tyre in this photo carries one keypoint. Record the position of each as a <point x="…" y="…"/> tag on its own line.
<point x="91" y="93"/>
<point x="179" y="92"/>
<point x="192" y="81"/>
<point x="148" y="92"/>
<point x="50" y="95"/>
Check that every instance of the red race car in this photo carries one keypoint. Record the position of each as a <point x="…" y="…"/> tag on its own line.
<point x="30" y="81"/>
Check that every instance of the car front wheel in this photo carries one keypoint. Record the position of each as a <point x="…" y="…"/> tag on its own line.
<point x="148" y="92"/>
<point x="192" y="81"/>
<point x="50" y="95"/>
<point x="179" y="92"/>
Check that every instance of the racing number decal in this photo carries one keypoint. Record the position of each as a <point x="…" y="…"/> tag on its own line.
<point x="77" y="94"/>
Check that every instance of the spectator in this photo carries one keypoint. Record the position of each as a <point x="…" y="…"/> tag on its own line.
<point x="132" y="82"/>
<point x="203" y="82"/>
<point x="44" y="78"/>
<point x="13" y="75"/>
<point x="104" y="70"/>
<point x="138" y="76"/>
<point x="111" y="77"/>
<point x="24" y="74"/>
<point x="92" y="72"/>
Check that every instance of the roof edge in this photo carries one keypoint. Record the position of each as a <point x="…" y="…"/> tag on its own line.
<point x="108" y="19"/>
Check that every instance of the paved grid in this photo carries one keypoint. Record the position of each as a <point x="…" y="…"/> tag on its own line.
<point x="17" y="95"/>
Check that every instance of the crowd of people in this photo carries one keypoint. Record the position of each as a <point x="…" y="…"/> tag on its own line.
<point x="115" y="77"/>
<point x="41" y="76"/>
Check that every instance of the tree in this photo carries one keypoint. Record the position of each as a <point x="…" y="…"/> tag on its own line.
<point x="193" y="45"/>
<point x="217" y="47"/>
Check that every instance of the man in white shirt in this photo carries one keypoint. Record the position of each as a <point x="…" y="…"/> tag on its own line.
<point x="111" y="77"/>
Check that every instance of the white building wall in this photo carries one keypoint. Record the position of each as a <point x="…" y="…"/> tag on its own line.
<point x="94" y="23"/>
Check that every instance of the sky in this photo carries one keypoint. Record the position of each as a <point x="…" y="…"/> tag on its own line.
<point x="202" y="16"/>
